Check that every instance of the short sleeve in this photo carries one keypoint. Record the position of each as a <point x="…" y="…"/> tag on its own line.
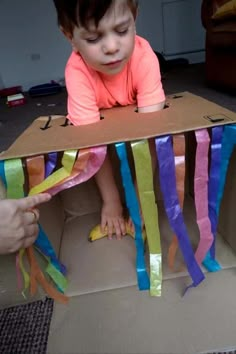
<point x="82" y="103"/>
<point x="148" y="79"/>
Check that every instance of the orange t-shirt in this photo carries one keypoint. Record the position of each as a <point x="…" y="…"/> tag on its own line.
<point x="89" y="91"/>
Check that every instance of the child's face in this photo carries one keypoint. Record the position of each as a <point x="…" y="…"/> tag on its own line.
<point x="108" y="47"/>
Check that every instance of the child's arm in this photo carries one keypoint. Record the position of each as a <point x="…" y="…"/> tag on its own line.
<point x="112" y="211"/>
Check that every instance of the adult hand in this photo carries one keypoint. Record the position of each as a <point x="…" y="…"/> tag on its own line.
<point x="19" y="222"/>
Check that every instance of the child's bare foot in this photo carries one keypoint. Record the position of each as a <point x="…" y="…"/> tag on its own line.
<point x="112" y="217"/>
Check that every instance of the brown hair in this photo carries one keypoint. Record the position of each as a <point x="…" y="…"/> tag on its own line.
<point x="74" y="13"/>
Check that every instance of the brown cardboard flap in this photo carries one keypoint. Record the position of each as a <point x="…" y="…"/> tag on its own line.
<point x="185" y="112"/>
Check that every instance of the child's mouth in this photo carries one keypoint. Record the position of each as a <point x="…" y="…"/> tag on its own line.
<point x="114" y="64"/>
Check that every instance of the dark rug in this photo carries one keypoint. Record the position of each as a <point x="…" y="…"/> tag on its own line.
<point x="25" y="328"/>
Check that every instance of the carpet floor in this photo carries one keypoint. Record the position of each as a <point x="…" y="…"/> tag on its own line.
<point x="25" y="328"/>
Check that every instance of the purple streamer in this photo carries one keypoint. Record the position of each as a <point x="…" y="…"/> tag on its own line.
<point x="165" y="157"/>
<point x="51" y="163"/>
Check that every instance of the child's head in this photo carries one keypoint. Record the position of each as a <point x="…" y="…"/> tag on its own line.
<point x="102" y="31"/>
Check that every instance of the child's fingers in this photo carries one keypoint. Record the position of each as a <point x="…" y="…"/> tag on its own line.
<point x="110" y="229"/>
<point x="123" y="227"/>
<point x="117" y="228"/>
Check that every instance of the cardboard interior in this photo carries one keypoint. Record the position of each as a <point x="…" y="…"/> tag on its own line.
<point x="68" y="218"/>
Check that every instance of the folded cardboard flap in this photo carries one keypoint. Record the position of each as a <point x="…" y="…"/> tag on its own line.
<point x="185" y="112"/>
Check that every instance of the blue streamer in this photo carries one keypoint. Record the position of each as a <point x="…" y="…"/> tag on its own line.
<point x="2" y="173"/>
<point x="44" y="245"/>
<point x="213" y="188"/>
<point x="165" y="157"/>
<point x="133" y="206"/>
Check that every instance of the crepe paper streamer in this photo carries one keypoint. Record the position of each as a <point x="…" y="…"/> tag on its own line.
<point x="179" y="156"/>
<point x="144" y="175"/>
<point x="15" y="178"/>
<point x="68" y="161"/>
<point x="133" y="207"/>
<point x="36" y="275"/>
<point x="201" y="194"/>
<point x="50" y="163"/>
<point x="213" y="189"/>
<point x="44" y="245"/>
<point x="168" y="186"/>
<point x="2" y="173"/>
<point x="228" y="144"/>
<point x="36" y="170"/>
<point x="89" y="161"/>
<point x="57" y="277"/>
<point x="26" y="276"/>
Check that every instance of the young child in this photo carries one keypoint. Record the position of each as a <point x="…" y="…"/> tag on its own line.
<point x="110" y="65"/>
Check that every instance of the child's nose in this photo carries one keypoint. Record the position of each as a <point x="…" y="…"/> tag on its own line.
<point x="110" y="45"/>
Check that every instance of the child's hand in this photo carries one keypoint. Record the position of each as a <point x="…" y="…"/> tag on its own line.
<point x="112" y="218"/>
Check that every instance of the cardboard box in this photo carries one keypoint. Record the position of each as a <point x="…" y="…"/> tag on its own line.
<point x="70" y="215"/>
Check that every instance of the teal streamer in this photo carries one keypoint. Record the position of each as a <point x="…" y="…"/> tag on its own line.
<point x="228" y="144"/>
<point x="133" y="207"/>
<point x="2" y="173"/>
<point x="210" y="263"/>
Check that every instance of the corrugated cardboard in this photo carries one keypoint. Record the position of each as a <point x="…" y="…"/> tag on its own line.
<point x="185" y="112"/>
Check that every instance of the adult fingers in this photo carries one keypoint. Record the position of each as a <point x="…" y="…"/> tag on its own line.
<point x="31" y="216"/>
<point x="31" y="201"/>
<point x="31" y="231"/>
<point x="28" y="241"/>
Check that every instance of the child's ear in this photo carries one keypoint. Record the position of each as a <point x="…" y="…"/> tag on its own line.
<point x="136" y="13"/>
<point x="67" y="34"/>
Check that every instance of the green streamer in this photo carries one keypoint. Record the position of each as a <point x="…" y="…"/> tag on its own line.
<point x="15" y="178"/>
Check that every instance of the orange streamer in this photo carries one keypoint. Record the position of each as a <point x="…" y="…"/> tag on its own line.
<point x="36" y="170"/>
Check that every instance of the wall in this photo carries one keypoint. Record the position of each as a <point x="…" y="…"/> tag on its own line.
<point x="33" y="50"/>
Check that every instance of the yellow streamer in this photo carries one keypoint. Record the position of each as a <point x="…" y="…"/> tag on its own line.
<point x="22" y="268"/>
<point x="144" y="174"/>
<point x="68" y="161"/>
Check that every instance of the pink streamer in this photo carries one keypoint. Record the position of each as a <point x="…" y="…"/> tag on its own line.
<point x="96" y="158"/>
<point x="201" y="194"/>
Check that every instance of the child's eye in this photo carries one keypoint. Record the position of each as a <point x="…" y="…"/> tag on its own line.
<point x="122" y="31"/>
<point x="93" y="40"/>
